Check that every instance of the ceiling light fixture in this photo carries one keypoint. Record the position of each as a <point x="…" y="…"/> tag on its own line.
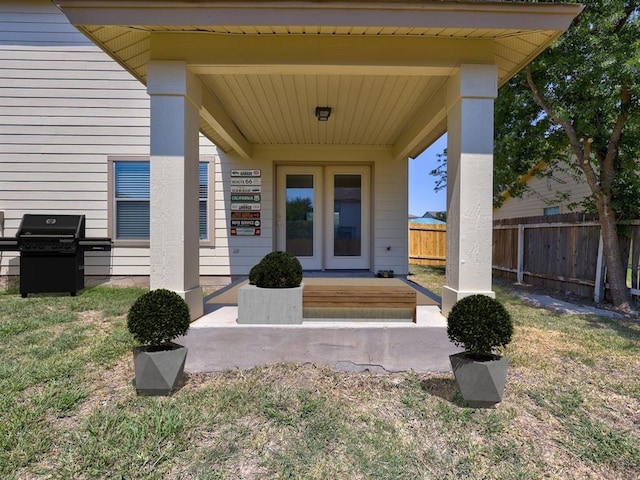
<point x="323" y="113"/>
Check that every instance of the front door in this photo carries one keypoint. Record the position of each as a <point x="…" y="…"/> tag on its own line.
<point x="323" y="216"/>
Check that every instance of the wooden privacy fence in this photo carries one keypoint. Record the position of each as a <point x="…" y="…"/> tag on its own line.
<point x="558" y="252"/>
<point x="427" y="244"/>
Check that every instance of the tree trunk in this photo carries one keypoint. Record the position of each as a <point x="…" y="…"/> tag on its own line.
<point x="601" y="185"/>
<point x="616" y="270"/>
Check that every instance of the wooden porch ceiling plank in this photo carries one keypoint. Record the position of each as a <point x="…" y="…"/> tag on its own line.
<point x="427" y="120"/>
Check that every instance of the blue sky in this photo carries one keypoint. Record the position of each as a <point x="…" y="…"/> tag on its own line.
<point x="422" y="197"/>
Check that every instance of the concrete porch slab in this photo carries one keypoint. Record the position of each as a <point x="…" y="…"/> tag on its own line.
<point x="217" y="342"/>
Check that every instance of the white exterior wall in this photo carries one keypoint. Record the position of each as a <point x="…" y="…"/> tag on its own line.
<point x="388" y="223"/>
<point x="543" y="193"/>
<point x="65" y="107"/>
<point x="236" y="254"/>
<point x="390" y="245"/>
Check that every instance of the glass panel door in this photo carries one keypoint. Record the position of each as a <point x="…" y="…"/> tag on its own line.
<point x="348" y="237"/>
<point x="299" y="213"/>
<point x="300" y="197"/>
<point x="347" y="215"/>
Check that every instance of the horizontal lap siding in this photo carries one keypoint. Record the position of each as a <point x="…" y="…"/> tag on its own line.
<point x="235" y="255"/>
<point x="65" y="106"/>
<point x="560" y="190"/>
<point x="390" y="243"/>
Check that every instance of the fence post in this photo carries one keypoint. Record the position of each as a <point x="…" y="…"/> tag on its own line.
<point x="520" y="254"/>
<point x="598" y="288"/>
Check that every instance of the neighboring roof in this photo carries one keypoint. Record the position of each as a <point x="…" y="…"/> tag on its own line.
<point x="433" y="214"/>
<point x="381" y="65"/>
<point x="426" y="221"/>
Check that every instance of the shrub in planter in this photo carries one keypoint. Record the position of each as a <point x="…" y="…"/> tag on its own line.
<point x="481" y="325"/>
<point x="277" y="270"/>
<point x="274" y="293"/>
<point x="155" y="319"/>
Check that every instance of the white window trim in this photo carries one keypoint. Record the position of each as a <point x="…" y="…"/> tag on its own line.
<point x="111" y="203"/>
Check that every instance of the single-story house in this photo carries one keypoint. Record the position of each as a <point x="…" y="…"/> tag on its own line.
<point x="201" y="135"/>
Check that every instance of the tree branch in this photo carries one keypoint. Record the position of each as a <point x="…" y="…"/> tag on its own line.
<point x="581" y="149"/>
<point x="627" y="14"/>
<point x="613" y="144"/>
<point x="607" y="163"/>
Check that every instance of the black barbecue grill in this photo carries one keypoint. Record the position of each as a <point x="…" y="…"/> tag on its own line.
<point x="52" y="252"/>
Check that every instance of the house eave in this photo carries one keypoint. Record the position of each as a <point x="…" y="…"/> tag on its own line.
<point x="513" y="34"/>
<point x="506" y="15"/>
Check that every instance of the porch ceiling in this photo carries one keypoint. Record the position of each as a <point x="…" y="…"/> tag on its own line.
<point x="265" y="65"/>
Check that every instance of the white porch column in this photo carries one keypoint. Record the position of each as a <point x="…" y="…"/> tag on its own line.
<point x="175" y="101"/>
<point x="470" y="96"/>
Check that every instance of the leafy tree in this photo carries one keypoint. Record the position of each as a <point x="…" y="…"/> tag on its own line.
<point x="298" y="208"/>
<point x="579" y="102"/>
<point x="298" y="223"/>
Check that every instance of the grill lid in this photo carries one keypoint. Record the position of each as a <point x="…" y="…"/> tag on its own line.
<point x="51" y="225"/>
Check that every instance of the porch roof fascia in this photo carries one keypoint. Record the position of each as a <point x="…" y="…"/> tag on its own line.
<point x="406" y="13"/>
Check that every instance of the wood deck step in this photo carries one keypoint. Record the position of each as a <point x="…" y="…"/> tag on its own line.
<point x="358" y="300"/>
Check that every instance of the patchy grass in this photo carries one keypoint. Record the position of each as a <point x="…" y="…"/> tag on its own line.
<point x="69" y="409"/>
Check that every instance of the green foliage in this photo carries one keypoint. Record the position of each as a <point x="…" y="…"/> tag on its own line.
<point x="579" y="101"/>
<point x="479" y="324"/>
<point x="158" y="317"/>
<point x="299" y="214"/>
<point x="298" y="209"/>
<point x="277" y="270"/>
<point x="581" y="77"/>
<point x="440" y="172"/>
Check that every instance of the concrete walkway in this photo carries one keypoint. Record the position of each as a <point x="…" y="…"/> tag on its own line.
<point x="559" y="306"/>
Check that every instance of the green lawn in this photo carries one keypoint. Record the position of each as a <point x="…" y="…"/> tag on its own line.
<point x="68" y="407"/>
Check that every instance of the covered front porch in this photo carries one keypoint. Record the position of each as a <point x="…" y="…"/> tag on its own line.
<point x="251" y="76"/>
<point x="356" y="338"/>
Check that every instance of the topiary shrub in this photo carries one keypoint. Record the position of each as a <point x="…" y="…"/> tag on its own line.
<point x="158" y="317"/>
<point x="479" y="324"/>
<point x="277" y="270"/>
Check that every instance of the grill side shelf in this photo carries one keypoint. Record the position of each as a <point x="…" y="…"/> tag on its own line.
<point x="95" y="244"/>
<point x="8" y="244"/>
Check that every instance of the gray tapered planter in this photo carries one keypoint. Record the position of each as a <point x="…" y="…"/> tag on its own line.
<point x="158" y="371"/>
<point x="481" y="382"/>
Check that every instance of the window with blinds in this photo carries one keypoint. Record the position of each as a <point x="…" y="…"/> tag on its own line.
<point x="131" y="190"/>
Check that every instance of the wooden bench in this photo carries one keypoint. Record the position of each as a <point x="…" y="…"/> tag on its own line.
<point x="359" y="300"/>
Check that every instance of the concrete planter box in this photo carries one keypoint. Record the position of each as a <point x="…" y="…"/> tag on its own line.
<point x="273" y="306"/>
